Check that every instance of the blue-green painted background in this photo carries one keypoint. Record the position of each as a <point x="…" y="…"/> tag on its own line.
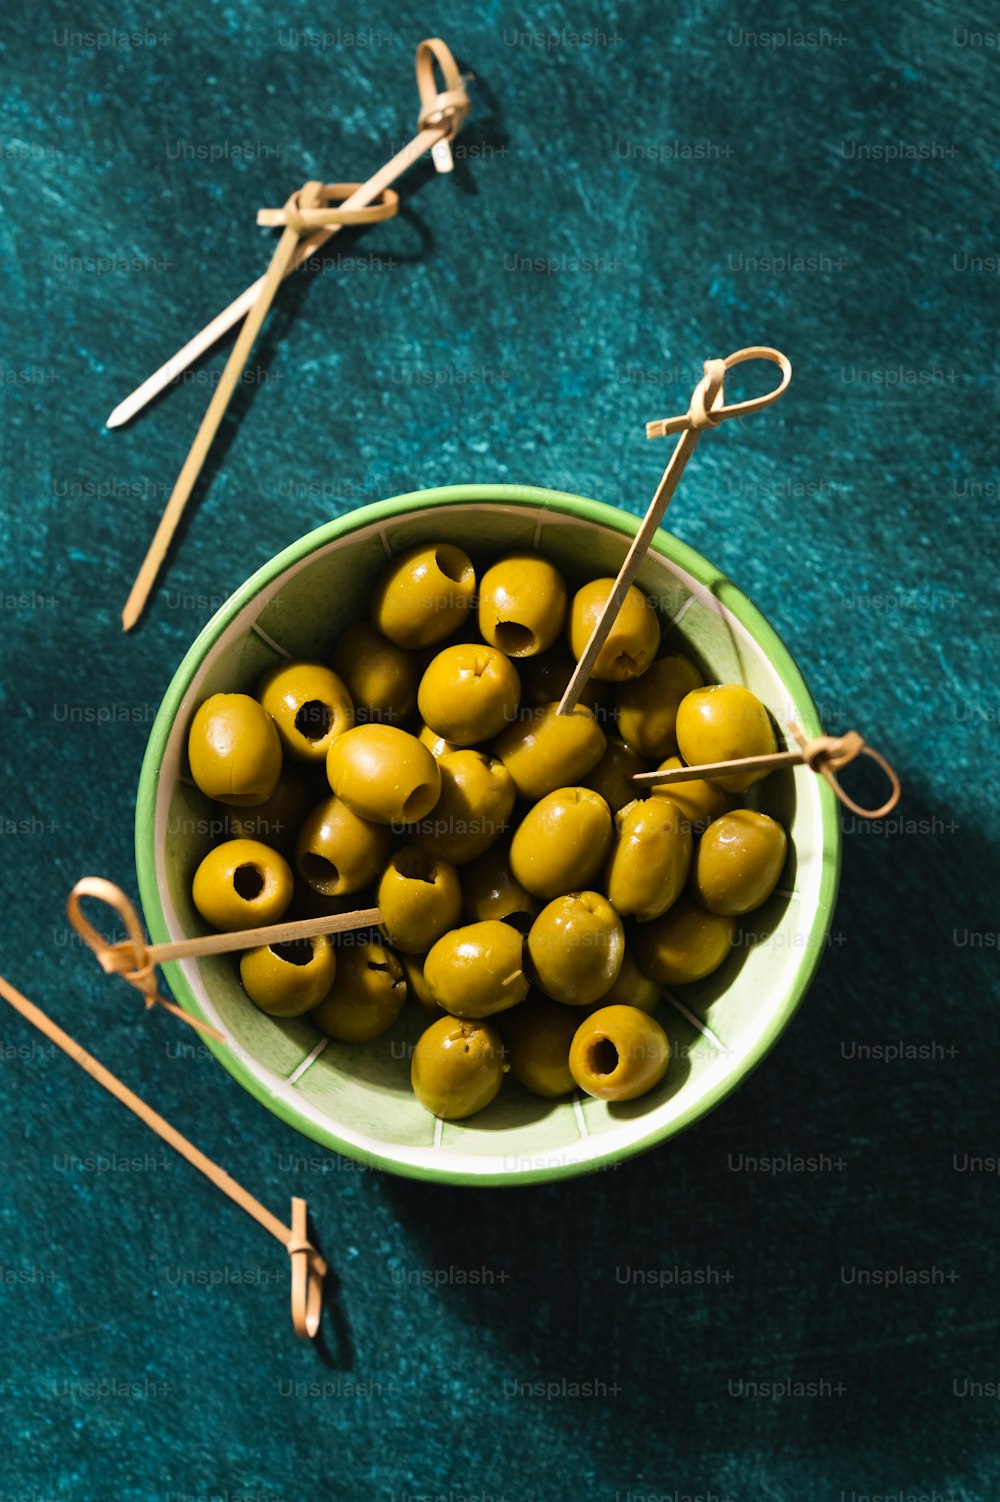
<point x="691" y="178"/>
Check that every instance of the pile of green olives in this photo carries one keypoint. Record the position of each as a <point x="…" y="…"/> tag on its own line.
<point x="534" y="900"/>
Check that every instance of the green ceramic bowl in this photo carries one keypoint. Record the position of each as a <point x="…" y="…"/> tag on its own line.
<point x="357" y="1099"/>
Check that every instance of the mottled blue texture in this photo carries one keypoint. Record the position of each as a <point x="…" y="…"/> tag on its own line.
<point x="674" y="155"/>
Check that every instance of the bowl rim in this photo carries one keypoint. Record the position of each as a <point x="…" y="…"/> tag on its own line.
<point x="564" y="503"/>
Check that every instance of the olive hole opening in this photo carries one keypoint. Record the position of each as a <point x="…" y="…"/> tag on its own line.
<point x="414" y="804"/>
<point x="314" y="720"/>
<point x="318" y="871"/>
<point x="414" y="865"/>
<point x="602" y="1056"/>
<point x="294" y="951"/>
<point x="513" y="638"/>
<point x="248" y="880"/>
<point x="452" y="563"/>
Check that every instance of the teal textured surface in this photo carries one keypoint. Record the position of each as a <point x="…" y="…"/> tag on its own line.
<point x="799" y="1296"/>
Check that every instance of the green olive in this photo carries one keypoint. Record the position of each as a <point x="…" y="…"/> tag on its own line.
<point x="477" y="799"/>
<point x="699" y="800"/>
<point x="436" y="744"/>
<point x="686" y="944"/>
<point x="381" y="678"/>
<point x="310" y="705"/>
<point x="619" y="1053"/>
<point x="544" y="680"/>
<point x="562" y="842"/>
<point x="366" y="996"/>
<point x="537" y="1037"/>
<point x="242" y="884"/>
<point x="457" y="1067"/>
<point x="576" y="946"/>
<point x="633" y="639"/>
<point x="612" y="777"/>
<point x="647" y="706"/>
<point x="277" y="821"/>
<point x="234" y="750"/>
<point x="544" y="750"/>
<point x="339" y="852"/>
<point x="416" y="984"/>
<point x="469" y="693"/>
<point x="738" y="862"/>
<point x="477" y="970"/>
<point x="383" y="773"/>
<point x="724" y="721"/>
<point x="632" y="988"/>
<point x="650" y="858"/>
<point x="286" y="980"/>
<point x="522" y="604"/>
<point x="490" y="890"/>
<point x="424" y="595"/>
<point x="420" y="899"/>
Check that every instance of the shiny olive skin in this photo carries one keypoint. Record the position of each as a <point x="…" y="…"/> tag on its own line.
<point x="381" y="678"/>
<point x="612" y="777"/>
<point x="234" y="750"/>
<point x="477" y="799"/>
<point x="686" y="944"/>
<point x="469" y="693"/>
<point x="650" y="858"/>
<point x="242" y="884"/>
<point x="724" y="721"/>
<point x="384" y="774"/>
<point x="544" y="680"/>
<point x="457" y="1067"/>
<point x="339" y="852"/>
<point x="633" y="640"/>
<point x="699" y="800"/>
<point x="490" y="889"/>
<point x="310" y="705"/>
<point x="436" y="744"/>
<point x="562" y="842"/>
<point x="647" y="706"/>
<point x="632" y="988"/>
<point x="537" y="1038"/>
<point x="738" y="862"/>
<point x="522" y="604"/>
<point x="576" y="946"/>
<point x="276" y="822"/>
<point x="286" y="980"/>
<point x="477" y="970"/>
<point x="619" y="1053"/>
<point x="366" y="996"/>
<point x="416" y="984"/>
<point x="424" y="595"/>
<point x="544" y="750"/>
<point x="420" y="899"/>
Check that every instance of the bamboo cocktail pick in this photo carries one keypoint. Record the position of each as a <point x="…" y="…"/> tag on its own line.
<point x="705" y="411"/>
<point x="310" y="216"/>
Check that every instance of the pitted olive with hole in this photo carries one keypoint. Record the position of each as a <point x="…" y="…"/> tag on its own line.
<point x="632" y="988"/>
<point x="537" y="1037"/>
<point x="424" y="596"/>
<point x="634" y="637"/>
<point x="522" y="604"/>
<point x="477" y="970"/>
<point x="420" y="899"/>
<point x="457" y="1067"/>
<point x="384" y="774"/>
<point x="477" y="799"/>
<point x="576" y="946"/>
<point x="562" y="842"/>
<point x="738" y="862"/>
<point x="276" y="822"/>
<point x="234" y="750"/>
<point x="339" y="852"/>
<point x="647" y="706"/>
<point x="619" y="1053"/>
<point x="367" y="994"/>
<point x="381" y="678"/>
<point x="650" y="858"/>
<point x="490" y="890"/>
<point x="612" y="777"/>
<point x="544" y="680"/>
<point x="544" y="750"/>
<point x="721" y="722"/>
<point x="310" y="706"/>
<point x="686" y="944"/>
<point x="699" y="800"/>
<point x="469" y="693"/>
<point x="242" y="884"/>
<point x="287" y="980"/>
